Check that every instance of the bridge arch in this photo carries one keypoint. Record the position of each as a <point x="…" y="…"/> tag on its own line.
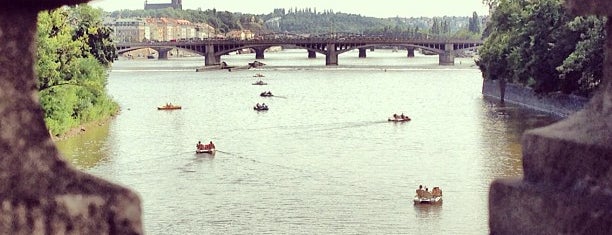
<point x="427" y="48"/>
<point x="159" y="49"/>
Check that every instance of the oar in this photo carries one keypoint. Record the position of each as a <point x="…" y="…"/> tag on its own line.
<point x="223" y="151"/>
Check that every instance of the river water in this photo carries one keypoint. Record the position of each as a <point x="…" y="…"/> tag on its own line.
<point x="322" y="160"/>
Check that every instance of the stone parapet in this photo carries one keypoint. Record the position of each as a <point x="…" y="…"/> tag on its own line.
<point x="574" y="154"/>
<point x="525" y="208"/>
<point x="589" y="7"/>
<point x="40" y="193"/>
<point x="567" y="187"/>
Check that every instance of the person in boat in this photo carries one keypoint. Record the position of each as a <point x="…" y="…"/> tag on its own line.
<point x="263" y="105"/>
<point x="436" y="192"/>
<point x="269" y="93"/>
<point x="402" y="116"/>
<point x="427" y="194"/>
<point x="199" y="146"/>
<point x="211" y="145"/>
<point x="420" y="191"/>
<point x="257" y="105"/>
<point x="395" y="115"/>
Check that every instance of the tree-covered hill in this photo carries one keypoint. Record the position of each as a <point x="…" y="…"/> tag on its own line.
<point x="311" y="21"/>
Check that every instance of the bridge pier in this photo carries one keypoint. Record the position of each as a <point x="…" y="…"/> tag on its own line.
<point x="162" y="53"/>
<point x="447" y="57"/>
<point x="259" y="52"/>
<point x="210" y="58"/>
<point x="362" y="53"/>
<point x="410" y="52"/>
<point x="312" y="54"/>
<point x="331" y="58"/>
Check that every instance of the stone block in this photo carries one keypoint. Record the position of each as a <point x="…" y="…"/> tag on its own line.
<point x="575" y="153"/>
<point x="518" y="207"/>
<point x="40" y="193"/>
<point x="589" y="7"/>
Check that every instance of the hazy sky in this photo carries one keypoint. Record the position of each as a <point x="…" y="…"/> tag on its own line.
<point x="375" y="8"/>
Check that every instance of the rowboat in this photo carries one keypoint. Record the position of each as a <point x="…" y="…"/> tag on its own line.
<point x="205" y="148"/>
<point x="260" y="82"/>
<point x="169" y="107"/>
<point x="431" y="200"/>
<point x="260" y="108"/>
<point x="405" y="119"/>
<point x="209" y="151"/>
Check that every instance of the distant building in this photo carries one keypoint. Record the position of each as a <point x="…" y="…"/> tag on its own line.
<point x="130" y="30"/>
<point x="176" y="4"/>
<point x="158" y="29"/>
<point x="240" y="34"/>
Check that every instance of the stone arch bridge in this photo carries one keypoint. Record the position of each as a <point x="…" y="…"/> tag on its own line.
<point x="213" y="49"/>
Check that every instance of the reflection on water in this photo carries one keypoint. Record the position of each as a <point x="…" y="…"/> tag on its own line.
<point x="428" y="211"/>
<point x="88" y="148"/>
<point x="197" y="160"/>
<point x="322" y="160"/>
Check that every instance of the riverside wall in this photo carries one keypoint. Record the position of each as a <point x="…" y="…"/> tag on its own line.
<point x="560" y="105"/>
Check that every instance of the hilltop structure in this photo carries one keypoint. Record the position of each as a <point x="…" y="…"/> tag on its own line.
<point x="176" y="4"/>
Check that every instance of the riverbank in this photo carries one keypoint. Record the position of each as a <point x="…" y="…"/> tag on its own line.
<point x="81" y="129"/>
<point x="560" y="105"/>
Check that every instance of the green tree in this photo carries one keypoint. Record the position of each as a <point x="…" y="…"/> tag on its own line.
<point x="474" y="24"/>
<point x="71" y="80"/>
<point x="88" y="27"/>
<point x="581" y="71"/>
<point x="435" y="26"/>
<point x="538" y="44"/>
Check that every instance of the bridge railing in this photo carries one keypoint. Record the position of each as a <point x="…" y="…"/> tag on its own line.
<point x="276" y="41"/>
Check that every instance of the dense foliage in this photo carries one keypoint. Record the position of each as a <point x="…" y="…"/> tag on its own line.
<point x="311" y="21"/>
<point x="73" y="52"/>
<point x="224" y="21"/>
<point x="539" y="45"/>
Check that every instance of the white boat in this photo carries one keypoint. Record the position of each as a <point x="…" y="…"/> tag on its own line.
<point x="209" y="151"/>
<point x="405" y="119"/>
<point x="423" y="200"/>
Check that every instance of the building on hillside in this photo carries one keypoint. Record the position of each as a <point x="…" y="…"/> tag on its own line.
<point x="240" y="34"/>
<point x="131" y="30"/>
<point x="176" y="4"/>
<point x="204" y="31"/>
<point x="158" y="30"/>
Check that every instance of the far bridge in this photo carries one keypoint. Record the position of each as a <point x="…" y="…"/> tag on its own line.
<point x="213" y="49"/>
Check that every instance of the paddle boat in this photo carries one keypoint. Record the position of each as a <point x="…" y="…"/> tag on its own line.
<point x="209" y="151"/>
<point x="426" y="197"/>
<point x="169" y="106"/>
<point x="260" y="83"/>
<point x="399" y="118"/>
<point x="262" y="107"/>
<point x="432" y="200"/>
<point x="205" y="148"/>
<point x="266" y="94"/>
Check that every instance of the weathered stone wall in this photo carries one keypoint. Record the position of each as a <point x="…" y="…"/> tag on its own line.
<point x="39" y="192"/>
<point x="561" y="105"/>
<point x="567" y="183"/>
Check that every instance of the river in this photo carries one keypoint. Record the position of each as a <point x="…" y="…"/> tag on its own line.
<point x="322" y="160"/>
